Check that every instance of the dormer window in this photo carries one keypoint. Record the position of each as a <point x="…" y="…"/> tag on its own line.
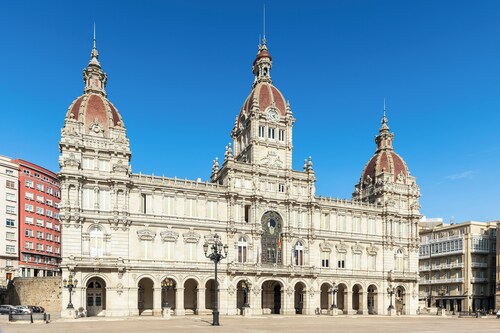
<point x="261" y="131"/>
<point x="270" y="133"/>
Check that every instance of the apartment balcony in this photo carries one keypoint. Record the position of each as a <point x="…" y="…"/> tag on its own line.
<point x="479" y="280"/>
<point x="441" y="281"/>
<point x="479" y="264"/>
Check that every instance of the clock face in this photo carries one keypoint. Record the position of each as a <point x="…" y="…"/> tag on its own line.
<point x="273" y="115"/>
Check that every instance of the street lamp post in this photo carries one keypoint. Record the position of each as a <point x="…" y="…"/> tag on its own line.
<point x="390" y="291"/>
<point x="70" y="284"/>
<point x="334" y="288"/>
<point x="216" y="256"/>
<point x="166" y="285"/>
<point x="442" y="291"/>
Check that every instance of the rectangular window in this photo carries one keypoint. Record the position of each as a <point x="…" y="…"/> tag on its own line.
<point x="48" y="248"/>
<point x="49" y="190"/>
<point x="39" y="198"/>
<point x="281" y="135"/>
<point x="190" y="254"/>
<point x="88" y="198"/>
<point x="247" y="213"/>
<point x="39" y="187"/>
<point x="10" y="184"/>
<point x="371" y="226"/>
<point x="48" y="202"/>
<point x="29" y="183"/>
<point x="325" y="259"/>
<point x="10" y="223"/>
<point x="10" y="235"/>
<point x="37" y="259"/>
<point x="10" y="196"/>
<point x="325" y="221"/>
<point x="26" y="257"/>
<point x="341" y="223"/>
<point x="211" y="209"/>
<point x="56" y="227"/>
<point x="372" y="260"/>
<point x="168" y="205"/>
<point x="356" y="261"/>
<point x="29" y="196"/>
<point x="11" y="249"/>
<point x="103" y="165"/>
<point x="39" y="247"/>
<point x="28" y="245"/>
<point x="356" y="224"/>
<point x="57" y="239"/>
<point x="28" y="233"/>
<point x="104" y="199"/>
<point x="10" y="210"/>
<point x="190" y="208"/>
<point x="48" y="236"/>
<point x="48" y="213"/>
<point x="169" y="250"/>
<point x="146" y="203"/>
<point x="88" y="163"/>
<point x="39" y="222"/>
<point x="270" y="133"/>
<point x="39" y="235"/>
<point x="281" y="187"/>
<point x="341" y="260"/>
<point x="48" y="224"/>
<point x="261" y="131"/>
<point x="39" y="210"/>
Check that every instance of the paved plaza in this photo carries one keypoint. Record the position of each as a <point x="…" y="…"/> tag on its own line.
<point x="274" y="324"/>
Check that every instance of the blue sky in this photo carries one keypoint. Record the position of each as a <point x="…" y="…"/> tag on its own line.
<point x="179" y="71"/>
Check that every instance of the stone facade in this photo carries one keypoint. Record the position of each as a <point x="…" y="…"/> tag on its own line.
<point x="41" y="291"/>
<point x="125" y="233"/>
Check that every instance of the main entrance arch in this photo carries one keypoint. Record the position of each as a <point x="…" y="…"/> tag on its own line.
<point x="271" y="297"/>
<point x="372" y="299"/>
<point x="299" y="298"/>
<point x="145" y="296"/>
<point x="96" y="297"/>
<point x="400" y="300"/>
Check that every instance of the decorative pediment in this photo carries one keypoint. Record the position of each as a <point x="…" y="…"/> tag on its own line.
<point x="341" y="247"/>
<point x="356" y="248"/>
<point x="146" y="234"/>
<point x="191" y="236"/>
<point x="120" y="167"/>
<point x="169" y="235"/>
<point x="272" y="160"/>
<point x="326" y="246"/>
<point x="372" y="250"/>
<point x="210" y="238"/>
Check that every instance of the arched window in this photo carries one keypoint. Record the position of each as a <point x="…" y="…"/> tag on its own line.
<point x="399" y="261"/>
<point x="96" y="241"/>
<point x="242" y="249"/>
<point x="299" y="254"/>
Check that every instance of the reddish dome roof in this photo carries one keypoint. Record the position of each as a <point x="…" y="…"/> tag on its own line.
<point x="384" y="161"/>
<point x="93" y="109"/>
<point x="266" y="95"/>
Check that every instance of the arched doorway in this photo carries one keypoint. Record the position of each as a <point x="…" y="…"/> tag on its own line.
<point x="209" y="294"/>
<point x="271" y="297"/>
<point x="400" y="300"/>
<point x="190" y="304"/>
<point x="145" y="297"/>
<point x="242" y="295"/>
<point x="271" y="242"/>
<point x="96" y="297"/>
<point x="341" y="295"/>
<point x="325" y="297"/>
<point x="168" y="293"/>
<point x="372" y="299"/>
<point x="299" y="298"/>
<point x="357" y="302"/>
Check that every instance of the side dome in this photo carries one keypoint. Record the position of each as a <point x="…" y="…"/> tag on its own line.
<point x="96" y="113"/>
<point x="385" y="165"/>
<point x="93" y="110"/>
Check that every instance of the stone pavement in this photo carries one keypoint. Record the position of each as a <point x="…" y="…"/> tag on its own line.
<point x="264" y="324"/>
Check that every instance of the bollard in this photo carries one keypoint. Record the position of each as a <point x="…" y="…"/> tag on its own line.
<point x="31" y="318"/>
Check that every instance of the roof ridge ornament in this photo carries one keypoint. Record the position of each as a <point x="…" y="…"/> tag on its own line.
<point x="94" y="77"/>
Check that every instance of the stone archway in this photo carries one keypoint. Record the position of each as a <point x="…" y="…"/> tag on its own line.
<point x="190" y="290"/>
<point x="209" y="294"/>
<point x="169" y="296"/>
<point x="372" y="299"/>
<point x="400" y="300"/>
<point x="96" y="297"/>
<point x="145" y="296"/>
<point x="299" y="299"/>
<point x="325" y="297"/>
<point x="341" y="298"/>
<point x="242" y="295"/>
<point x="357" y="301"/>
<point x="272" y="297"/>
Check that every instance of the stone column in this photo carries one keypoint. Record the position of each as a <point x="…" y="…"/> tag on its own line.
<point x="157" y="309"/>
<point x="364" y="301"/>
<point x="288" y="300"/>
<point x="179" y="302"/>
<point x="200" y="301"/>
<point x="255" y="300"/>
<point x="347" y="302"/>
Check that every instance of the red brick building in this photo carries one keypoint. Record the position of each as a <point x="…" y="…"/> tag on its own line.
<point x="39" y="227"/>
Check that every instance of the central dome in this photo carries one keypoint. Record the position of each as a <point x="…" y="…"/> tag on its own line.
<point x="266" y="95"/>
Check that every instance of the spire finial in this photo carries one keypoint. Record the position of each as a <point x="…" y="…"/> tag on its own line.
<point x="94" y="36"/>
<point x="93" y="76"/>
<point x="385" y="109"/>
<point x="264" y="24"/>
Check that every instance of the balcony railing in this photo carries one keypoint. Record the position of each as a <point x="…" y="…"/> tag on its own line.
<point x="441" y="281"/>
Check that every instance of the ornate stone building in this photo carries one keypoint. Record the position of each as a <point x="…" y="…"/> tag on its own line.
<point x="125" y="233"/>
